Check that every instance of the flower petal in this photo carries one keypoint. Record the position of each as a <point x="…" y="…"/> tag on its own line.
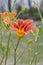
<point x="28" y="23"/>
<point x="5" y="14"/>
<point x="26" y="33"/>
<point x="12" y="28"/>
<point x="20" y="22"/>
<point x="14" y="13"/>
<point x="30" y="28"/>
<point x="14" y="24"/>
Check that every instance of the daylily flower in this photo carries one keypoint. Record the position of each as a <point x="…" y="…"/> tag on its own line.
<point x="7" y="16"/>
<point x="22" y="26"/>
<point x="13" y="14"/>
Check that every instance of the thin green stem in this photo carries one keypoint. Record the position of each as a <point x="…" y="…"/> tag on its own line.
<point x="7" y="48"/>
<point x="36" y="48"/>
<point x="28" y="56"/>
<point x="1" y="45"/>
<point x="32" y="60"/>
<point x="2" y="60"/>
<point x="1" y="40"/>
<point x="13" y="5"/>
<point x="14" y="56"/>
<point x="38" y="9"/>
<point x="36" y="60"/>
<point x="19" y="14"/>
<point x="6" y="2"/>
<point x="36" y="52"/>
<point x="18" y="59"/>
<point x="39" y="13"/>
<point x="1" y="37"/>
<point x="21" y="55"/>
<point x="15" y="49"/>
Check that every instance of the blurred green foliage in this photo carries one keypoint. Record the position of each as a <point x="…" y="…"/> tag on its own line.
<point x="30" y="13"/>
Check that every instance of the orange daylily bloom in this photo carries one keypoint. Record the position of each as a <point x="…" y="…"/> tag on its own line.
<point x="13" y="14"/>
<point x="22" y="26"/>
<point x="14" y="18"/>
<point x="6" y="20"/>
<point x="6" y="16"/>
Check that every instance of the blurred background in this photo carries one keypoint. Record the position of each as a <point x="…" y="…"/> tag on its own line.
<point x="31" y="10"/>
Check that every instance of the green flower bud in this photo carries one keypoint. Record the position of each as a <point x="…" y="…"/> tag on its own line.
<point x="31" y="31"/>
<point x="23" y="9"/>
<point x="35" y="2"/>
<point x="29" y="41"/>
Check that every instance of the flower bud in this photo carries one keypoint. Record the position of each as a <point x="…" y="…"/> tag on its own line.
<point x="23" y="9"/>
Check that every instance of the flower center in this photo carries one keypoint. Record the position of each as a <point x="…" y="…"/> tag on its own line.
<point x="20" y="32"/>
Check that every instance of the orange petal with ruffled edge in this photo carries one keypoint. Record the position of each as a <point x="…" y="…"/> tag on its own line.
<point x="5" y="14"/>
<point x="20" y="22"/>
<point x="13" y="14"/>
<point x="28" y="23"/>
<point x="14" y="24"/>
<point x="30" y="28"/>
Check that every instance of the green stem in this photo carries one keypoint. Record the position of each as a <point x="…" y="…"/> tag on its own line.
<point x="7" y="48"/>
<point x="6" y="2"/>
<point x="1" y="37"/>
<point x="2" y="60"/>
<point x="36" y="52"/>
<point x="28" y="56"/>
<point x="32" y="60"/>
<point x="18" y="59"/>
<point x="1" y="46"/>
<point x="21" y="55"/>
<point x="15" y="49"/>
<point x="19" y="14"/>
<point x="13" y="5"/>
<point x="14" y="56"/>
<point x="38" y="10"/>
<point x="36" y="60"/>
<point x="39" y="13"/>
<point x="1" y="40"/>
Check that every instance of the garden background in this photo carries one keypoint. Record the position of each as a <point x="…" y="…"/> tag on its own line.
<point x="30" y="12"/>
